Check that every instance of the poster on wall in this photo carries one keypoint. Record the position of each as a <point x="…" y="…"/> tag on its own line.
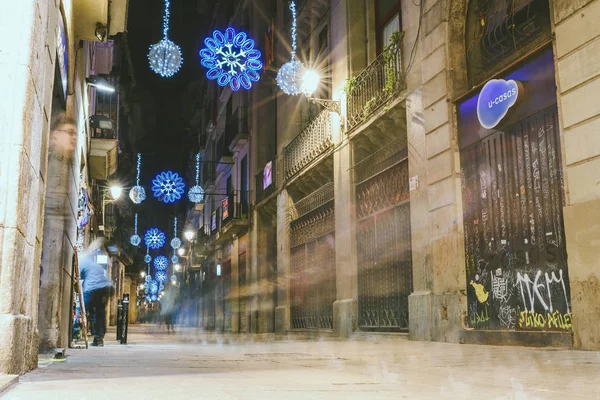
<point x="62" y="53"/>
<point x="213" y="225"/>
<point x="268" y="175"/>
<point x="225" y="204"/>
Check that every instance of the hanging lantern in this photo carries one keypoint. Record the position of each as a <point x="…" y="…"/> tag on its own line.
<point x="165" y="56"/>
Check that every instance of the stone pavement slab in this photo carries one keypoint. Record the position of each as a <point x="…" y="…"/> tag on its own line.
<point x="191" y="364"/>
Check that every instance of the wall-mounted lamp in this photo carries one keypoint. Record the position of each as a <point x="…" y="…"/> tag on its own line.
<point x="101" y="31"/>
<point x="99" y="83"/>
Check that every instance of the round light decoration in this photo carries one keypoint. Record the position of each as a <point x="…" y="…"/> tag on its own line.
<point x="148" y="278"/>
<point x="153" y="297"/>
<point x="196" y="193"/>
<point x="154" y="238"/>
<point x="161" y="287"/>
<point x="147" y="258"/>
<point x="174" y="259"/>
<point x="137" y="194"/>
<point x="135" y="239"/>
<point x="161" y="263"/>
<point x="168" y="187"/>
<point x="161" y="276"/>
<point x="289" y="77"/>
<point x="176" y="243"/>
<point x="231" y="59"/>
<point x="165" y="56"/>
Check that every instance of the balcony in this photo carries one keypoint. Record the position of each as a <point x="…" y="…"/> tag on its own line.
<point x="266" y="181"/>
<point x="376" y="85"/>
<point x="236" y="130"/>
<point x="103" y="154"/>
<point x="313" y="141"/>
<point x="231" y="218"/>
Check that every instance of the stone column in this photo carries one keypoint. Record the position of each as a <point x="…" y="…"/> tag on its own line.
<point x="257" y="246"/>
<point x="282" y="312"/>
<point x="437" y="306"/>
<point x="234" y="290"/>
<point x="577" y="53"/>
<point x="26" y="79"/>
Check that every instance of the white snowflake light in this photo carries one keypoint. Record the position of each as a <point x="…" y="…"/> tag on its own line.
<point x="161" y="263"/>
<point x="137" y="194"/>
<point x="231" y="59"/>
<point x="161" y="276"/>
<point x="165" y="56"/>
<point x="196" y="193"/>
<point x="168" y="187"/>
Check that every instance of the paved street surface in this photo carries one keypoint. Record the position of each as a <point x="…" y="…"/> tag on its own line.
<point x="188" y="365"/>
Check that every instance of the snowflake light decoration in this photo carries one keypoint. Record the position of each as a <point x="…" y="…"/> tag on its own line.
<point x="154" y="238"/>
<point x="161" y="276"/>
<point x="196" y="193"/>
<point x="161" y="263"/>
<point x="153" y="287"/>
<point x="137" y="194"/>
<point x="135" y="239"/>
<point x="165" y="56"/>
<point x="231" y="59"/>
<point x="168" y="187"/>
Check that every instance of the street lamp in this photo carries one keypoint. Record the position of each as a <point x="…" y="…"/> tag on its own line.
<point x="181" y="251"/>
<point x="99" y="83"/>
<point x="143" y="274"/>
<point x="177" y="267"/>
<point x="115" y="191"/>
<point x="309" y="84"/>
<point x="189" y="235"/>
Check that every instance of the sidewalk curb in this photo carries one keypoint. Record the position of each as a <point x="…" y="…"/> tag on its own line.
<point x="6" y="381"/>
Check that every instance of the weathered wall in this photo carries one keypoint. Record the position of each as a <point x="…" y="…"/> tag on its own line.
<point x="577" y="54"/>
<point x="28" y="43"/>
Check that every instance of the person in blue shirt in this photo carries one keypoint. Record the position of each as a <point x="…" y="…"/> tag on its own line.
<point x="97" y="287"/>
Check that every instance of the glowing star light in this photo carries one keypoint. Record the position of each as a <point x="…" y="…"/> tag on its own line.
<point x="168" y="187"/>
<point x="231" y="59"/>
<point x="161" y="263"/>
<point x="196" y="193"/>
<point x="154" y="238"/>
<point x="135" y="239"/>
<point x="137" y="194"/>
<point x="165" y="56"/>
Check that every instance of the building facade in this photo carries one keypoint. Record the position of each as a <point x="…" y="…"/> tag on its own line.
<point x="439" y="182"/>
<point x="47" y="52"/>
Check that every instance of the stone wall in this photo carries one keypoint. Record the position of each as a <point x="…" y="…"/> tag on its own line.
<point x="28" y="43"/>
<point x="577" y="55"/>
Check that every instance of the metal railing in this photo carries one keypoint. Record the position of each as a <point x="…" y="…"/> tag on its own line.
<point x="264" y="188"/>
<point x="316" y="199"/>
<point x="308" y="145"/>
<point x="378" y="83"/>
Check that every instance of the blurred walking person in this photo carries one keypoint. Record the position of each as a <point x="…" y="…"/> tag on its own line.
<point x="97" y="287"/>
<point x="168" y="306"/>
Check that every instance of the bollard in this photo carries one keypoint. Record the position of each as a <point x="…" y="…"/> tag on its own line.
<point x="125" y="318"/>
<point x="119" y="318"/>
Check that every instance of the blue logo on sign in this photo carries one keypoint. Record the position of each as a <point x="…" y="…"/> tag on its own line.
<point x="496" y="97"/>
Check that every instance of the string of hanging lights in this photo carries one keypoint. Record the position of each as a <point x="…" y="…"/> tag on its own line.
<point x="135" y="239"/>
<point x="196" y="193"/>
<point x="165" y="56"/>
<point x="137" y="194"/>
<point x="175" y="242"/>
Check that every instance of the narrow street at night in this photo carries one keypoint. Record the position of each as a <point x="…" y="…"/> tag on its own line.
<point x="189" y="364"/>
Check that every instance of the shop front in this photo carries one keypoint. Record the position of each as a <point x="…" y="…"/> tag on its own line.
<point x="513" y="197"/>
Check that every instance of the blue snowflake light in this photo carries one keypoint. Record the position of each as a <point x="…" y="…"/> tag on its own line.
<point x="231" y="59"/>
<point x="154" y="238"/>
<point x="161" y="276"/>
<point x="153" y="287"/>
<point x="161" y="263"/>
<point x="168" y="187"/>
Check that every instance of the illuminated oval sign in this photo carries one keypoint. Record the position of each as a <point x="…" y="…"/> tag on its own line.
<point x="495" y="99"/>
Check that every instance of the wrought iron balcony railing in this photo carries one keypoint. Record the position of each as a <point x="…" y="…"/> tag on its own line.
<point x="377" y="84"/>
<point x="316" y="199"/>
<point x="315" y="139"/>
<point x="266" y="181"/>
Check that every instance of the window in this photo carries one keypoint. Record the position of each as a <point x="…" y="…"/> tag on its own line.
<point x="387" y="21"/>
